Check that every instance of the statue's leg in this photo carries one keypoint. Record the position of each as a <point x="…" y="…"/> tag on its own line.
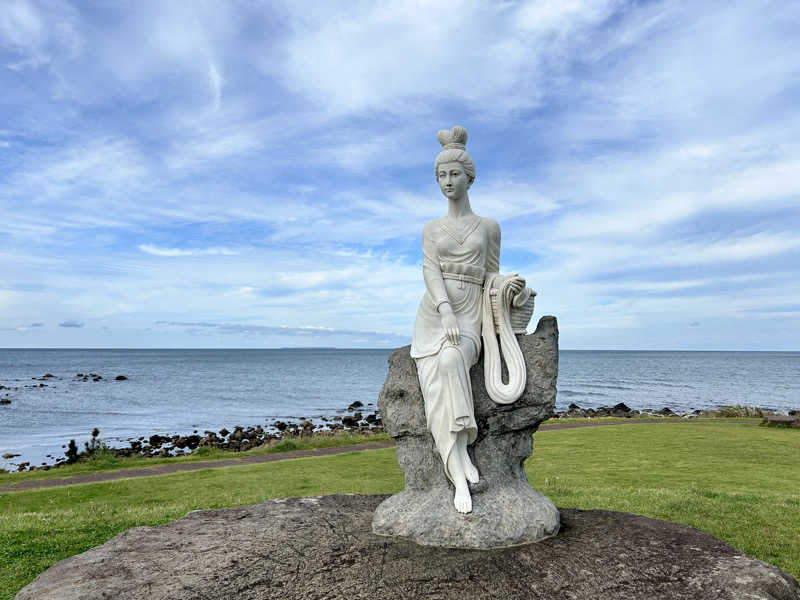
<point x="470" y="472"/>
<point x="459" y="399"/>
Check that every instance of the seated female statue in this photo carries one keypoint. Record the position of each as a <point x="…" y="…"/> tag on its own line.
<point x="460" y="253"/>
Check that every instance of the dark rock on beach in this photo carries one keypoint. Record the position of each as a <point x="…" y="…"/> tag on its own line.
<point x="120" y="378"/>
<point x="4" y="401"/>
<point x="192" y="441"/>
<point x="301" y="548"/>
<point x="157" y="440"/>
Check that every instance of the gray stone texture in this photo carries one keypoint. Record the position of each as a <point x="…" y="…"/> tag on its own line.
<point x="506" y="511"/>
<point x="314" y="548"/>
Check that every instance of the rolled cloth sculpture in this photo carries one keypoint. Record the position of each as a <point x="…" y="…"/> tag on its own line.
<point x="502" y="305"/>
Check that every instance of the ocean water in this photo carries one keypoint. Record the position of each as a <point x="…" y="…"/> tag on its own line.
<point x="178" y="391"/>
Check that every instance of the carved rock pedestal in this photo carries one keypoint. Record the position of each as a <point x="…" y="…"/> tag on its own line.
<point x="506" y="511"/>
<point x="314" y="548"/>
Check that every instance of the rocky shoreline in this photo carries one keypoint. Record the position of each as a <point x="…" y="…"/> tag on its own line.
<point x="357" y="419"/>
<point x="624" y="411"/>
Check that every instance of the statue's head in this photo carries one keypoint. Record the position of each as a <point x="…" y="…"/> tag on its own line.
<point x="453" y="144"/>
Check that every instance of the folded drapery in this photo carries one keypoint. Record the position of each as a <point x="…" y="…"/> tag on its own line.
<point x="498" y="305"/>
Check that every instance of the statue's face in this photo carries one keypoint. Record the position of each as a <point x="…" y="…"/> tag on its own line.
<point x="452" y="179"/>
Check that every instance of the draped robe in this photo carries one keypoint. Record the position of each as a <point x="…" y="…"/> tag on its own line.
<point x="457" y="258"/>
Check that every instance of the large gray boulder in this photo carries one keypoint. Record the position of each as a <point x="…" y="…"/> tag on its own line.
<point x="310" y="548"/>
<point x="506" y="511"/>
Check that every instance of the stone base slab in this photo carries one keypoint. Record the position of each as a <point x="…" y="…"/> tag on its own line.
<point x="324" y="547"/>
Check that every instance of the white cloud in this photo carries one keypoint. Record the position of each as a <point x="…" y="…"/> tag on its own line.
<point x="27" y="30"/>
<point x="215" y="81"/>
<point x="756" y="246"/>
<point x="245" y="289"/>
<point x="172" y="252"/>
<point x="399" y="55"/>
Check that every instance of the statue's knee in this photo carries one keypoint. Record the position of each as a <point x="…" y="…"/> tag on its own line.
<point x="450" y="359"/>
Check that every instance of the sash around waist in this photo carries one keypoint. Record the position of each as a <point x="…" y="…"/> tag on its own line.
<point x="463" y="272"/>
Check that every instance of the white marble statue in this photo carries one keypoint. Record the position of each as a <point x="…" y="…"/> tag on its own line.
<point x="460" y="264"/>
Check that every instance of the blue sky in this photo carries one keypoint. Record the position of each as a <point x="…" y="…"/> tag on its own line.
<point x="257" y="174"/>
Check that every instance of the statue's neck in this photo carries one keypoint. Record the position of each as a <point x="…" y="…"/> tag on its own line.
<point x="459" y="207"/>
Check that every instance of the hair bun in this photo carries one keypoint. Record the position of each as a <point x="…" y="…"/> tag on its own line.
<point x="454" y="138"/>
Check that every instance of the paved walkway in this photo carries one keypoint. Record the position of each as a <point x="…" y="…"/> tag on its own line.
<point x="178" y="467"/>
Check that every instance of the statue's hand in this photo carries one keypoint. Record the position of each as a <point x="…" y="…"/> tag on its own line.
<point x="450" y="324"/>
<point x="519" y="294"/>
<point x="517" y="284"/>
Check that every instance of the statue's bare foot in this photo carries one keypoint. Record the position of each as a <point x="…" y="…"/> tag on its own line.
<point x="462" y="500"/>
<point x="470" y="472"/>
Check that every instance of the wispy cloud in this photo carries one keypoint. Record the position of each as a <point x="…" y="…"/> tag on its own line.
<point x="71" y="323"/>
<point x="307" y="334"/>
<point x="156" y="251"/>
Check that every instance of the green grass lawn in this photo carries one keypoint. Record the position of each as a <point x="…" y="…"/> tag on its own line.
<point x="740" y="482"/>
<point x="106" y="461"/>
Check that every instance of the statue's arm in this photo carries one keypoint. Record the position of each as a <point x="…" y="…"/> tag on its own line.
<point x="493" y="251"/>
<point x="431" y="271"/>
<point x="493" y="262"/>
